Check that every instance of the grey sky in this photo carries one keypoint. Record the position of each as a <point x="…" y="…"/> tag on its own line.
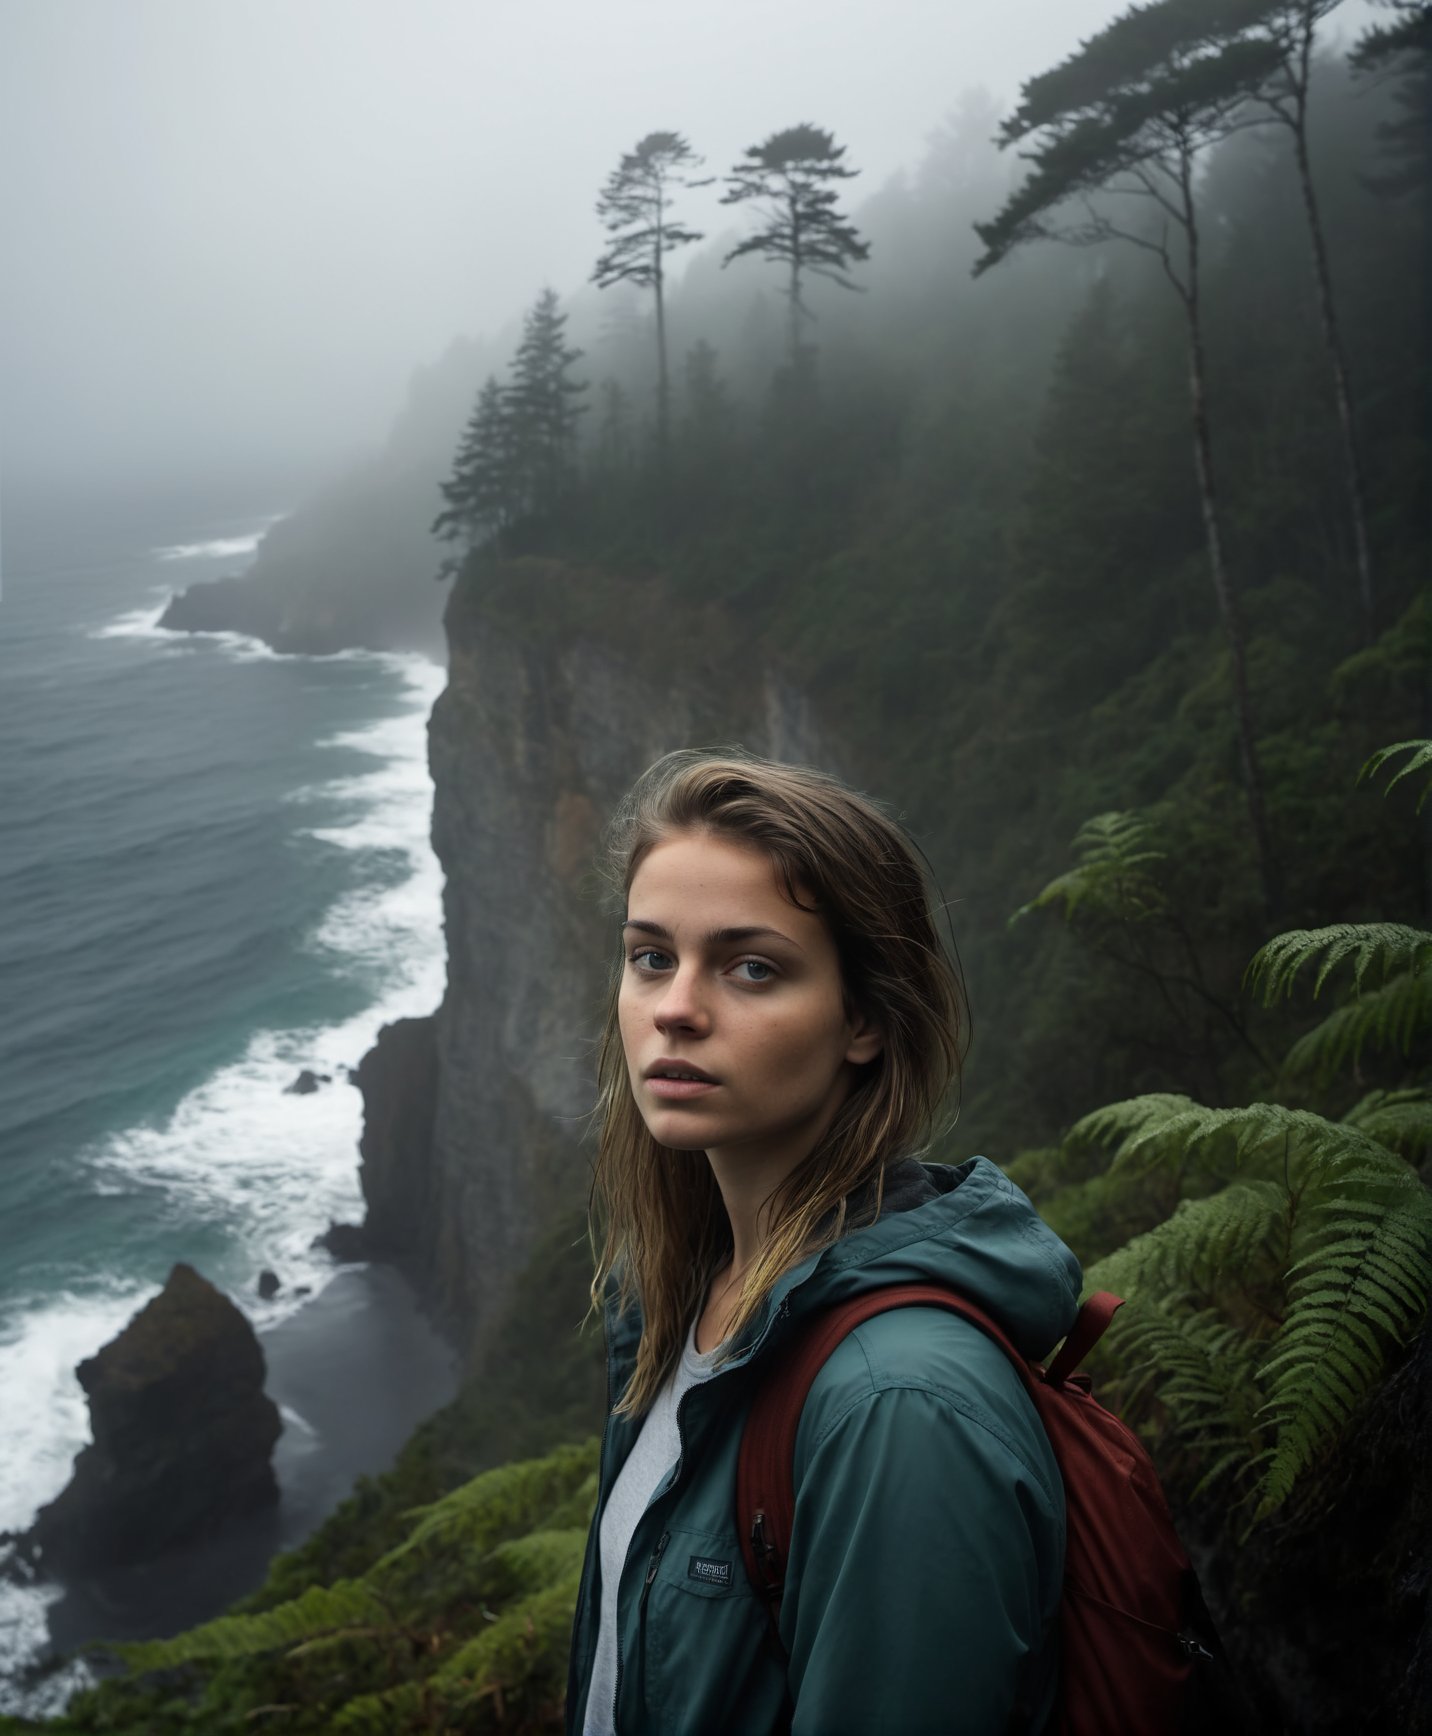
<point x="233" y="227"/>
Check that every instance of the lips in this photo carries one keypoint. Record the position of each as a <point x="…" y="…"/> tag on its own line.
<point x="668" y="1065"/>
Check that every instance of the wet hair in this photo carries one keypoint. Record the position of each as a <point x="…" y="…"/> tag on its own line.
<point x="656" y="1216"/>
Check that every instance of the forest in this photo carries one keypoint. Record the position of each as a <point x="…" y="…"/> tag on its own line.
<point x="1078" y="477"/>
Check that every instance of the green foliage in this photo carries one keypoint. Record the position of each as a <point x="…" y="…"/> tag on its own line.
<point x="1391" y="1017"/>
<point x="1307" y="1275"/>
<point x="1400" y="1120"/>
<point x="463" y="1624"/>
<point x="1421" y="761"/>
<point x="1393" y="945"/>
<point x="1111" y="878"/>
<point x="346" y="1608"/>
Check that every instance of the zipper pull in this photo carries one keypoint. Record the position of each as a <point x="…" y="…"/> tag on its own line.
<point x="1194" y="1649"/>
<point x="656" y="1556"/>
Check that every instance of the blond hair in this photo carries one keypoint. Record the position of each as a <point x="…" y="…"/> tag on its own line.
<point x="664" y="1228"/>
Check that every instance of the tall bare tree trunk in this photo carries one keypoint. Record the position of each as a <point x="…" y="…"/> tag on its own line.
<point x="663" y="380"/>
<point x="1353" y="478"/>
<point x="1228" y="609"/>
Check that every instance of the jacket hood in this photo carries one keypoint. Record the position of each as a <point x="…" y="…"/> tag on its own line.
<point x="966" y="1226"/>
<point x="963" y="1225"/>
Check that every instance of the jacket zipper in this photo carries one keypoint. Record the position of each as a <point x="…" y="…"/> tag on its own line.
<point x="651" y="1572"/>
<point x="657" y="1553"/>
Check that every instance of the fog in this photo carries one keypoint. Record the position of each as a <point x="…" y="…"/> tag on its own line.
<point x="232" y="228"/>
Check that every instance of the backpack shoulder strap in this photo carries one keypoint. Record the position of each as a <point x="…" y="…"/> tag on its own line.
<point x="765" y="1472"/>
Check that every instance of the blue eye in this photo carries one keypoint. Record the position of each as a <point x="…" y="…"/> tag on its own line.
<point x="646" y="952"/>
<point x="756" y="964"/>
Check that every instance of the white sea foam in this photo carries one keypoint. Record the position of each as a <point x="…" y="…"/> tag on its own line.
<point x="136" y="624"/>
<point x="240" y="1157"/>
<point x="221" y="548"/>
<point x="23" y="1632"/>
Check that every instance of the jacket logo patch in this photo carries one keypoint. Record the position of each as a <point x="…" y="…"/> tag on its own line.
<point x="712" y="1572"/>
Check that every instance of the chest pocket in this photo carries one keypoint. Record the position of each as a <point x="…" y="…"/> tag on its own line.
<point x="710" y="1666"/>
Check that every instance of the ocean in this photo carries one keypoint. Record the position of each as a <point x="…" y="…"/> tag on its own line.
<point x="214" y="872"/>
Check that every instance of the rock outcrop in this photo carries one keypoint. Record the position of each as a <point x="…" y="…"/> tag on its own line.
<point x="352" y="568"/>
<point x="474" y="1119"/>
<point x="183" y="1434"/>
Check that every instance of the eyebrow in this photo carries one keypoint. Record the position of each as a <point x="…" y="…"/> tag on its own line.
<point x="715" y="936"/>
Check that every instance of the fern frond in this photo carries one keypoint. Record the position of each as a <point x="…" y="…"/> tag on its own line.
<point x="532" y="1635"/>
<point x="1421" y="761"/>
<point x="322" y="1610"/>
<point x="524" y="1565"/>
<point x="1354" y="1300"/>
<point x="1257" y="1138"/>
<point x="1393" y="1016"/>
<point x="1111" y="877"/>
<point x="1234" y="1233"/>
<point x="1275" y="964"/>
<point x="1203" y="1371"/>
<point x="1400" y="1120"/>
<point x="501" y="1503"/>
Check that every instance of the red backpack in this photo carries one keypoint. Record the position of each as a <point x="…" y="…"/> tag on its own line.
<point x="1139" y="1653"/>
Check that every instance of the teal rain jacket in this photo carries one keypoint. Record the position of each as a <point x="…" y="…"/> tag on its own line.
<point x="927" y="1549"/>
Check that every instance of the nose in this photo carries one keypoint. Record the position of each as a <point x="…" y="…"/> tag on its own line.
<point x="682" y="1004"/>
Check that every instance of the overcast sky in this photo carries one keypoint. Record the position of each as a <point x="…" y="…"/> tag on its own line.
<point x="233" y="227"/>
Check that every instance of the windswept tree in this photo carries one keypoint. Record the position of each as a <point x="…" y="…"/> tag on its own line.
<point x="1126" y="118"/>
<point x="787" y="178"/>
<point x="635" y="206"/>
<point x="1402" y="46"/>
<point x="1279" y="92"/>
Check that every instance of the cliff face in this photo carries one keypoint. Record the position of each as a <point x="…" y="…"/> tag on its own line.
<point x="542" y="727"/>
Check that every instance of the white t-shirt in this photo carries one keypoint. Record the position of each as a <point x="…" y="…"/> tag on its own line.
<point x="653" y="1455"/>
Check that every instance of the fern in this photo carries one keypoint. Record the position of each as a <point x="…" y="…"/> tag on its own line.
<point x="1315" y="1259"/>
<point x="1240" y="1229"/>
<point x="1275" y="964"/>
<point x="348" y="1606"/>
<point x="1205" y="1374"/>
<point x="1394" y="1016"/>
<point x="1111" y="876"/>
<point x="523" y="1653"/>
<point x="1421" y="761"/>
<point x="1400" y="1120"/>
<point x="1259" y="1138"/>
<point x="1355" y="1298"/>
<point x="500" y="1503"/>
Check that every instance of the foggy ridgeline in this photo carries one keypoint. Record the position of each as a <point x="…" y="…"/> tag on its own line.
<point x="961" y="524"/>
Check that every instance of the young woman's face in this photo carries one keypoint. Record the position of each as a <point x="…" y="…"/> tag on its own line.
<point x="724" y="976"/>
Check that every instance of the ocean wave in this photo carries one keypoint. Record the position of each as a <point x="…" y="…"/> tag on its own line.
<point x="243" y="1164"/>
<point x="137" y="624"/>
<point x="221" y="548"/>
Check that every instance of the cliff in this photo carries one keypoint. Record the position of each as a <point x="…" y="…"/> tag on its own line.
<point x="563" y="685"/>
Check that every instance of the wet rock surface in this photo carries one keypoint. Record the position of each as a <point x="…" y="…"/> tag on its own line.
<point x="183" y="1434"/>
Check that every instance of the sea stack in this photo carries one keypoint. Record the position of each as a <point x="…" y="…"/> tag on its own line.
<point x="183" y="1434"/>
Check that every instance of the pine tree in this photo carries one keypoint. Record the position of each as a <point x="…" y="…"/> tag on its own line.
<point x="480" y="494"/>
<point x="541" y="409"/>
<point x="802" y="229"/>
<point x="635" y="206"/>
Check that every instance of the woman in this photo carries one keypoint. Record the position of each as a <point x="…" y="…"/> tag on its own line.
<point x="781" y="1031"/>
